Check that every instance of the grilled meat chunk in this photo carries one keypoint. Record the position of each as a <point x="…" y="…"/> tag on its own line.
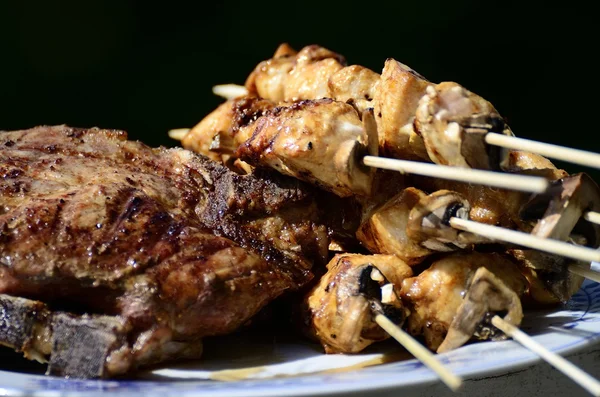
<point x="396" y="100"/>
<point x="171" y="243"/>
<point x="318" y="141"/>
<point x="290" y="76"/>
<point x="218" y="133"/>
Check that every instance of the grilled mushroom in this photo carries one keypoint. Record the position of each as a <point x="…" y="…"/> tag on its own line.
<point x="453" y="123"/>
<point x="486" y="296"/>
<point x="342" y="307"/>
<point x="429" y="222"/>
<point x="564" y="205"/>
<point x="450" y="300"/>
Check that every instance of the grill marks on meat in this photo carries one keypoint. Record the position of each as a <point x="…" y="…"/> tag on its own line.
<point x="170" y="242"/>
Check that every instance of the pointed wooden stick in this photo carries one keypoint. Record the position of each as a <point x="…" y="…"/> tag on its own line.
<point x="178" y="133"/>
<point x="557" y="152"/>
<point x="593" y="217"/>
<point x="527" y="240"/>
<point x="419" y="351"/>
<point x="579" y="376"/>
<point x="582" y="271"/>
<point x="490" y="178"/>
<point x="229" y="91"/>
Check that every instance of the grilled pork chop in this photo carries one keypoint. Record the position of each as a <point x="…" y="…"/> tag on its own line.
<point x="118" y="255"/>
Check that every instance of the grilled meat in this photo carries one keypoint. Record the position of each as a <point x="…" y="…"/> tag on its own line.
<point x="290" y="76"/>
<point x="170" y="244"/>
<point x="320" y="141"/>
<point x="396" y="100"/>
<point x="218" y="133"/>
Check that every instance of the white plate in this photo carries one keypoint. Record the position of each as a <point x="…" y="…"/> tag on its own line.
<point x="568" y="329"/>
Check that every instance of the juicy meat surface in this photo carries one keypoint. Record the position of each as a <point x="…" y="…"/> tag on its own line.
<point x="396" y="100"/>
<point x="290" y="76"/>
<point x="166" y="240"/>
<point x="318" y="141"/>
<point x="218" y="133"/>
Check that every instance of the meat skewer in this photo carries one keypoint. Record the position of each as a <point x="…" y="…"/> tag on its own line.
<point x="356" y="303"/>
<point x="413" y="84"/>
<point x="472" y="118"/>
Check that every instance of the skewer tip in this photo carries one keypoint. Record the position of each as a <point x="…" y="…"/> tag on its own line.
<point x="420" y="352"/>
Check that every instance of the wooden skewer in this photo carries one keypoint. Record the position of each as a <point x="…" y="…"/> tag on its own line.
<point x="229" y="91"/>
<point x="579" y="376"/>
<point x="419" y="351"/>
<point x="592" y="216"/>
<point x="178" y="133"/>
<point x="575" y="156"/>
<point x="582" y="271"/>
<point x="490" y="178"/>
<point x="527" y="240"/>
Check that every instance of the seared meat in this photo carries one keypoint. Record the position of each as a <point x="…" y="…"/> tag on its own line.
<point x="354" y="84"/>
<point x="173" y="244"/>
<point x="396" y="100"/>
<point x="383" y="230"/>
<point x="320" y="141"/>
<point x="289" y="76"/>
<point x="340" y="310"/>
<point x="217" y="133"/>
<point x="438" y="299"/>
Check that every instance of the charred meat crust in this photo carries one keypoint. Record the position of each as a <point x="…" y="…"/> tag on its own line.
<point x="159" y="237"/>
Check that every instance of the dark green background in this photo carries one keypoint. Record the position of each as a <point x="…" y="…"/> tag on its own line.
<point x="146" y="67"/>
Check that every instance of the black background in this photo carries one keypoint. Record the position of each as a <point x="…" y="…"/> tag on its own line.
<point x="147" y="67"/>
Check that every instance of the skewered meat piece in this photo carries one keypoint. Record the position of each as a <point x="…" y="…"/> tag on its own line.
<point x="564" y="205"/>
<point x="383" y="230"/>
<point x="396" y="99"/>
<point x="167" y="243"/>
<point x="217" y="133"/>
<point x="414" y="225"/>
<point x="451" y="299"/>
<point x="341" y="308"/>
<point x="354" y="84"/>
<point x="453" y="122"/>
<point x="289" y="76"/>
<point x="320" y="141"/>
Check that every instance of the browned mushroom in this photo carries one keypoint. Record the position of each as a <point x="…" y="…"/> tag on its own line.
<point x="562" y="208"/>
<point x="429" y="222"/>
<point x="486" y="296"/>
<point x="440" y="308"/>
<point x="342" y="307"/>
<point x="453" y="123"/>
